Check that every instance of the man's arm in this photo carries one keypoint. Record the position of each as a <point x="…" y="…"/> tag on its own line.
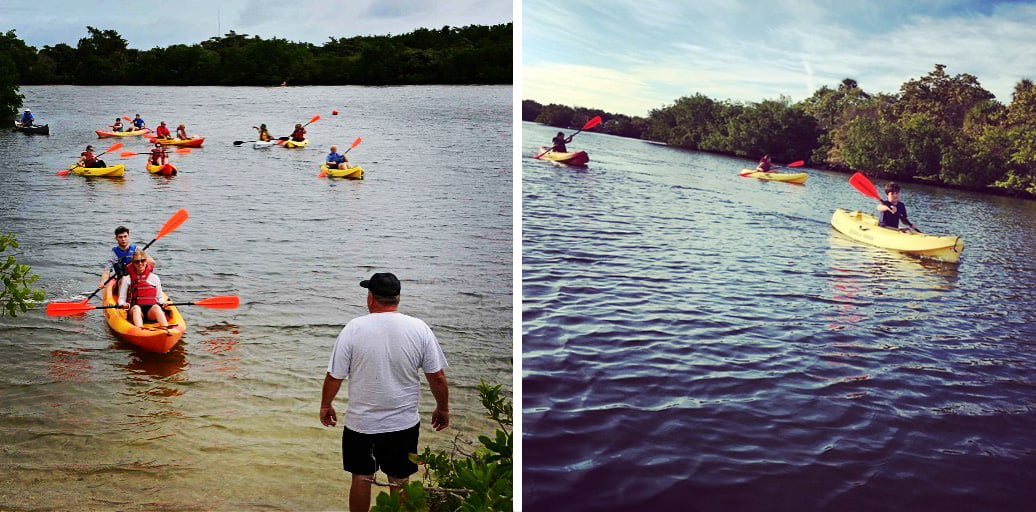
<point x="441" y="392"/>
<point x="327" y="398"/>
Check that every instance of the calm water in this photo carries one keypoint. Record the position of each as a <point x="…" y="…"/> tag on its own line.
<point x="228" y="420"/>
<point x="694" y="340"/>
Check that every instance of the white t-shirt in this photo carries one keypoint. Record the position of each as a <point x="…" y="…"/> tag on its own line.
<point x="383" y="355"/>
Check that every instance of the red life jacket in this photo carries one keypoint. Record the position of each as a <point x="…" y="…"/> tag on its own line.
<point x="157" y="156"/>
<point x="89" y="158"/>
<point x="162" y="132"/>
<point x="140" y="291"/>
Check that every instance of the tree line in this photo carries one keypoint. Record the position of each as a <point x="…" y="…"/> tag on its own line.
<point x="475" y="54"/>
<point x="938" y="128"/>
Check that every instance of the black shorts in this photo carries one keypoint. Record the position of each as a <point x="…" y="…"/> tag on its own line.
<point x="364" y="454"/>
<point x="144" y="309"/>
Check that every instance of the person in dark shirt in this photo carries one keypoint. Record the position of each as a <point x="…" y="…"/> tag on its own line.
<point x="893" y="210"/>
<point x="560" y="141"/>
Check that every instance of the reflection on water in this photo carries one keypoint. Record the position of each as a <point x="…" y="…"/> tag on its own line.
<point x="156" y="366"/>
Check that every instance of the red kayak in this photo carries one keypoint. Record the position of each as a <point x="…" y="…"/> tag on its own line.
<point x="162" y="170"/>
<point x="577" y="158"/>
<point x="184" y="143"/>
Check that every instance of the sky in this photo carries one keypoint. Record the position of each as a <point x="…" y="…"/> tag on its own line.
<point x="146" y="24"/>
<point x="631" y="56"/>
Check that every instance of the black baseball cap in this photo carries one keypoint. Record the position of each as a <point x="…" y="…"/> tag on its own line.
<point x="382" y="284"/>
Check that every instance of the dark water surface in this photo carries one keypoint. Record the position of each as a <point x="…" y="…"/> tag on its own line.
<point x="694" y="340"/>
<point x="228" y="420"/>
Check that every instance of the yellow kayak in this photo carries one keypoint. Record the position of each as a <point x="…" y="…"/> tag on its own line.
<point x="789" y="177"/>
<point x="114" y="171"/>
<point x="152" y="337"/>
<point x="132" y="133"/>
<point x="864" y="228"/>
<point x="354" y="173"/>
<point x="293" y="144"/>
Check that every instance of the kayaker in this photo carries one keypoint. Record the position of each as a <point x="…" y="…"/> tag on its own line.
<point x="159" y="156"/>
<point x="27" y="118"/>
<point x="87" y="159"/>
<point x="264" y="134"/>
<point x="299" y="134"/>
<point x="140" y="292"/>
<point x="120" y="256"/>
<point x="162" y="132"/>
<point x="765" y="165"/>
<point x="117" y="126"/>
<point x="893" y="210"/>
<point x="336" y="160"/>
<point x="181" y="132"/>
<point x="138" y="123"/>
<point x="560" y="141"/>
<point x="383" y="354"/>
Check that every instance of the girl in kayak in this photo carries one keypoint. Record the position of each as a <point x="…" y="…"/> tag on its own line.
<point x="765" y="165"/>
<point x="140" y="292"/>
<point x="181" y="132"/>
<point x="162" y="132"/>
<point x="117" y="127"/>
<point x="159" y="155"/>
<point x="264" y="134"/>
<point x="893" y="210"/>
<point x="560" y="141"/>
<point x="87" y="159"/>
<point x="299" y="134"/>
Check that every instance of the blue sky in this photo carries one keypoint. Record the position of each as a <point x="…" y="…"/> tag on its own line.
<point x="146" y="24"/>
<point x="626" y="56"/>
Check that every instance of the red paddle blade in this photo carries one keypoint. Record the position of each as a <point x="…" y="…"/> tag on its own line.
<point x="356" y="142"/>
<point x="796" y="163"/>
<point x="64" y="172"/>
<point x="315" y="119"/>
<point x="184" y="151"/>
<point x="593" y="122"/>
<point x="174" y="222"/>
<point x="127" y="118"/>
<point x="864" y="185"/>
<point x="127" y="154"/>
<point x="113" y="148"/>
<point x="222" y="302"/>
<point x="67" y="308"/>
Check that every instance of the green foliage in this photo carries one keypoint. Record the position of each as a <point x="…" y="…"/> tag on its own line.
<point x="477" y="482"/>
<point x="15" y="61"/>
<point x="16" y="294"/>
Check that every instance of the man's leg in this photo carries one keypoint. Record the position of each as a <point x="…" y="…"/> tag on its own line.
<point x="360" y="493"/>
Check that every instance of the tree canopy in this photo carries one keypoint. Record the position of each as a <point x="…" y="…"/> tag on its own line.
<point x="938" y="128"/>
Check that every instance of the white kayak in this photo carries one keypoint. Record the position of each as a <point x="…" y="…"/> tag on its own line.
<point x="263" y="144"/>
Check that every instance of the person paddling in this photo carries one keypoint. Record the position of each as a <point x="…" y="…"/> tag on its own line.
<point x="765" y="164"/>
<point x="138" y="122"/>
<point x="181" y="132"/>
<point x="159" y="156"/>
<point x="140" y="292"/>
<point x="264" y="134"/>
<point x="87" y="159"/>
<point x="27" y="118"/>
<point x="119" y="257"/>
<point x="559" y="142"/>
<point x="299" y="134"/>
<point x="336" y="160"/>
<point x="893" y="210"/>
<point x="162" y="132"/>
<point x="117" y="126"/>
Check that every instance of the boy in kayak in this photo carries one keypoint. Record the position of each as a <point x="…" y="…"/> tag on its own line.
<point x="765" y="165"/>
<point x="162" y="132"/>
<point x="893" y="210"/>
<point x="264" y="134"/>
<point x="117" y="126"/>
<point x="299" y="134"/>
<point x="559" y="142"/>
<point x="336" y="160"/>
<point x="27" y="118"/>
<point x="181" y="132"/>
<point x="138" y="123"/>
<point x="87" y="159"/>
<point x="140" y="292"/>
<point x="120" y="256"/>
<point x="159" y="156"/>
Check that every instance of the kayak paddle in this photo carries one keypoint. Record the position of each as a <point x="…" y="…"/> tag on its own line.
<point x="589" y="124"/>
<point x="323" y="174"/>
<point x="75" y="308"/>
<point x="128" y="154"/>
<point x="865" y="187"/>
<point x="170" y="225"/>
<point x="113" y="148"/>
<point x="796" y="163"/>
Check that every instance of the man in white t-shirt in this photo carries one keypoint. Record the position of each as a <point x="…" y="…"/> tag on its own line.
<point x="383" y="354"/>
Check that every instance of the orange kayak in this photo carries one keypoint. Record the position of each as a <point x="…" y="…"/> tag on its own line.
<point x="186" y="143"/>
<point x="151" y="337"/>
<point x="163" y="170"/>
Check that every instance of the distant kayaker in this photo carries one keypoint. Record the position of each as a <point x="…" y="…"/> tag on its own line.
<point x="893" y="210"/>
<point x="159" y="156"/>
<point x="119" y="257"/>
<point x="87" y="158"/>
<point x="336" y="160"/>
<point x="117" y="126"/>
<point x="383" y="354"/>
<point x="140" y="291"/>
<point x="299" y="134"/>
<point x="765" y="165"/>
<point x="27" y="118"/>
<point x="264" y="134"/>
<point x="138" y="123"/>
<point x="181" y="132"/>
<point x="162" y="132"/>
<point x="560" y="141"/>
